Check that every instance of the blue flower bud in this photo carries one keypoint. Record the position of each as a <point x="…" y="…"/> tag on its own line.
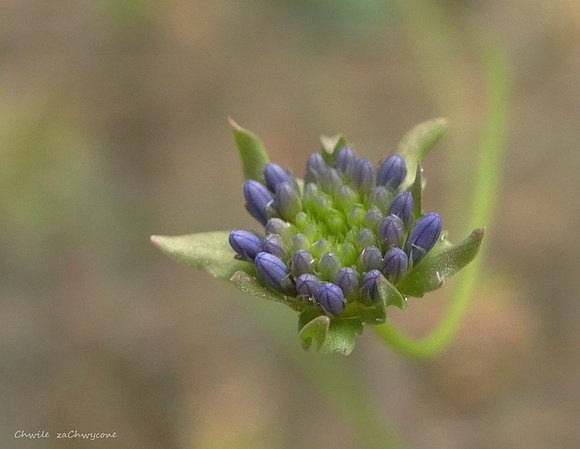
<point x="301" y="263"/>
<point x="372" y="218"/>
<point x="273" y="244"/>
<point x="365" y="237"/>
<point x="246" y="244"/>
<point x="347" y="279"/>
<point x="381" y="198"/>
<point x="331" y="181"/>
<point x="402" y="206"/>
<point x="396" y="264"/>
<point x="330" y="298"/>
<point x="257" y="199"/>
<point x="391" y="232"/>
<point x="307" y="285"/>
<point x="363" y="175"/>
<point x="315" y="168"/>
<point x="370" y="285"/>
<point x="392" y="172"/>
<point x="274" y="175"/>
<point x="328" y="265"/>
<point x="423" y="237"/>
<point x="371" y="259"/>
<point x="272" y="270"/>
<point x="344" y="160"/>
<point x="287" y="201"/>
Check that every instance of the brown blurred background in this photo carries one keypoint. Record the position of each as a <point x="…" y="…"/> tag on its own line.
<point x="113" y="127"/>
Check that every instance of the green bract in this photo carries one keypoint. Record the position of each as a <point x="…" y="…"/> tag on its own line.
<point x="331" y="237"/>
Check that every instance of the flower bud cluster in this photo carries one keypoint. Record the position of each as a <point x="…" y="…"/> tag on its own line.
<point x="329" y="240"/>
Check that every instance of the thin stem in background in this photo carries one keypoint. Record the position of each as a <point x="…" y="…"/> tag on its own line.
<point x="483" y="198"/>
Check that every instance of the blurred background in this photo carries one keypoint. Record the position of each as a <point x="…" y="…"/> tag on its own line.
<point x="113" y="127"/>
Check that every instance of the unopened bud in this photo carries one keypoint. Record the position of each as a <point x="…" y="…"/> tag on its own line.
<point x="363" y="175"/>
<point x="347" y="279"/>
<point x="402" y="206"/>
<point x="372" y="218"/>
<point x="273" y="244"/>
<point x="396" y="264"/>
<point x="381" y="198"/>
<point x="315" y="168"/>
<point x="299" y="241"/>
<point x="392" y="172"/>
<point x="344" y="160"/>
<point x="370" y="285"/>
<point x="278" y="226"/>
<point x="365" y="237"/>
<point x="328" y="265"/>
<point x="287" y="201"/>
<point x="391" y="231"/>
<point x="371" y="259"/>
<point x="245" y="243"/>
<point x="346" y="198"/>
<point x="272" y="270"/>
<point x="423" y="237"/>
<point x="307" y="285"/>
<point x="257" y="199"/>
<point x="274" y="175"/>
<point x="301" y="263"/>
<point x="331" y="181"/>
<point x="320" y="247"/>
<point x="330" y="298"/>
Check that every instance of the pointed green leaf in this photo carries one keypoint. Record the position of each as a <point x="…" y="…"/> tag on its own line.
<point x="330" y="145"/>
<point x="430" y="273"/>
<point x="415" y="145"/>
<point x="341" y="335"/>
<point x="314" y="331"/>
<point x="390" y="295"/>
<point x="331" y="334"/>
<point x="375" y="313"/>
<point x="209" y="251"/>
<point x="252" y="152"/>
<point x="308" y="315"/>
<point x="249" y="284"/>
<point x="417" y="192"/>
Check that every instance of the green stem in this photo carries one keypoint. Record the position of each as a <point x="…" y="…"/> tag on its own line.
<point x="483" y="198"/>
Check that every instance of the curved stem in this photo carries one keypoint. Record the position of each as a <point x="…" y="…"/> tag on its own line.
<point x="483" y="197"/>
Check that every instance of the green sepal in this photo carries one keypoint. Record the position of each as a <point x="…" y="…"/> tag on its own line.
<point x="252" y="152"/>
<point x="390" y="295"/>
<point x="429" y="274"/>
<point x="249" y="284"/>
<point x="208" y="251"/>
<point x="329" y="334"/>
<point x="415" y="145"/>
<point x="416" y="191"/>
<point x="330" y="145"/>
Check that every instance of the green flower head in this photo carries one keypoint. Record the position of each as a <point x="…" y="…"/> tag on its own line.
<point x="340" y="245"/>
